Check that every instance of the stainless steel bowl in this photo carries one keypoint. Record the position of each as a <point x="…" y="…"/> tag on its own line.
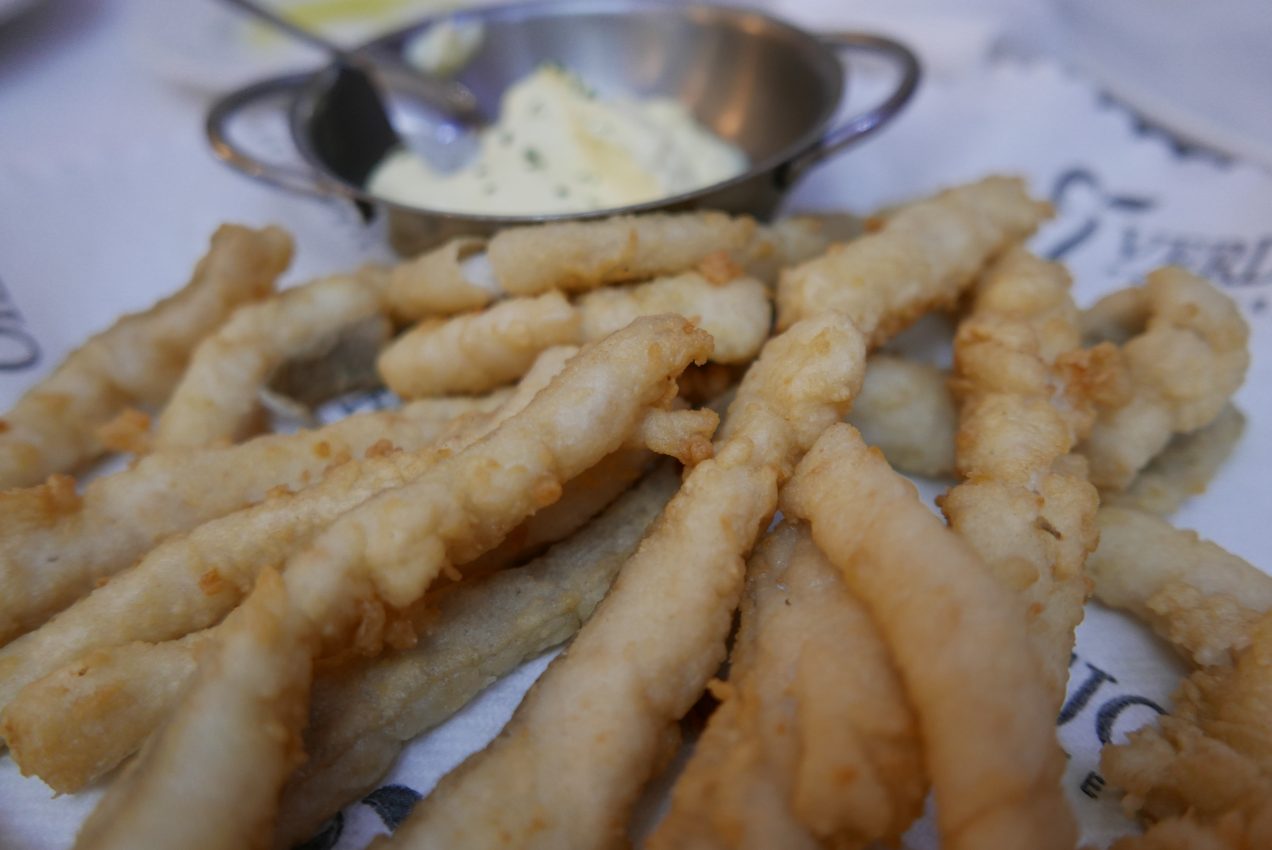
<point x="767" y="86"/>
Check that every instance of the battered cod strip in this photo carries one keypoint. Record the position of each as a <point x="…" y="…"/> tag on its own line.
<point x="988" y="730"/>
<point x="924" y="255"/>
<point x="1184" y="468"/>
<point x="906" y="410"/>
<point x="1187" y="356"/>
<point x="477" y="352"/>
<point x="434" y="283"/>
<point x="191" y="581"/>
<point x="814" y="743"/>
<point x="338" y="594"/>
<point x="682" y="434"/>
<point x="735" y="312"/>
<point x="120" y="821"/>
<point x="360" y="721"/>
<point x="114" y="697"/>
<point x="442" y="283"/>
<point x="81" y="721"/>
<point x="55" y="546"/>
<point x="1211" y="759"/>
<point x="1195" y="594"/>
<point x="1025" y="505"/>
<point x="604" y="714"/>
<point x="217" y="399"/>
<point x="579" y="255"/>
<point x="137" y="361"/>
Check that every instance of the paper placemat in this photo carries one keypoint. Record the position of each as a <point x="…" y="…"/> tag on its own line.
<point x="82" y="241"/>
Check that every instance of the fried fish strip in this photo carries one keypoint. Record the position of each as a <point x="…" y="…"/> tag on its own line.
<point x="361" y="720"/>
<point x="338" y="593"/>
<point x="736" y="312"/>
<point x="192" y="580"/>
<point x="581" y="500"/>
<point x="434" y="283"/>
<point x="55" y="547"/>
<point x="1188" y="354"/>
<point x="476" y="352"/>
<point x="218" y="397"/>
<point x="579" y="255"/>
<point x="605" y="712"/>
<point x="988" y="732"/>
<point x="1184" y="468"/>
<point x="1211" y="760"/>
<point x="137" y="361"/>
<point x="479" y="351"/>
<point x="814" y="744"/>
<point x="906" y="410"/>
<point x="1025" y="505"/>
<point x="227" y="724"/>
<point x="82" y="720"/>
<point x="443" y="282"/>
<point x="1195" y="594"/>
<point x="924" y="255"/>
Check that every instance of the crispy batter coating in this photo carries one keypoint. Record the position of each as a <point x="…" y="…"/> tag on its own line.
<point x="218" y="397"/>
<point x="52" y="553"/>
<point x="434" y="283"/>
<point x="1211" y="760"/>
<point x="338" y="592"/>
<point x="736" y="312"/>
<point x="1188" y="354"/>
<point x="582" y="499"/>
<point x="192" y="580"/>
<point x="579" y="255"/>
<point x="190" y="802"/>
<point x="137" y="361"/>
<point x="361" y="719"/>
<point x="1025" y="505"/>
<point x="476" y="352"/>
<point x="441" y="283"/>
<point x="1184" y="468"/>
<point x="988" y="730"/>
<point x="82" y="720"/>
<point x="603" y="716"/>
<point x="814" y="743"/>
<point x="1195" y="594"/>
<point x="907" y="411"/>
<point x="1233" y="831"/>
<point x="922" y="258"/>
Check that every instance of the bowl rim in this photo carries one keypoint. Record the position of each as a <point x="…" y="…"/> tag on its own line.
<point x="303" y="104"/>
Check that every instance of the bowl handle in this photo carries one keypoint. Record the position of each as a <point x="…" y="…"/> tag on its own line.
<point x="861" y="125"/>
<point x="300" y="179"/>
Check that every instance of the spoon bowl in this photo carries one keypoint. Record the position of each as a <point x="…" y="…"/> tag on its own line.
<point x="437" y="119"/>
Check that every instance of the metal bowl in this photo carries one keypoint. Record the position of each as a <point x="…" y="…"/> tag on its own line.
<point x="756" y="81"/>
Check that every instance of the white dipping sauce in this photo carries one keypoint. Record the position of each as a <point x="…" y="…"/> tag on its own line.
<point x="557" y="148"/>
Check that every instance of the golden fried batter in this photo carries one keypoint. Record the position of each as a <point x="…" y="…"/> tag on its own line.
<point x="138" y="361"/>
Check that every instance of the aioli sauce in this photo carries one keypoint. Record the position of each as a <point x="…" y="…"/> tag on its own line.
<point x="557" y="148"/>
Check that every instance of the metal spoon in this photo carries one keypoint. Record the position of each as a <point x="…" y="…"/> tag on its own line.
<point x="436" y="119"/>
